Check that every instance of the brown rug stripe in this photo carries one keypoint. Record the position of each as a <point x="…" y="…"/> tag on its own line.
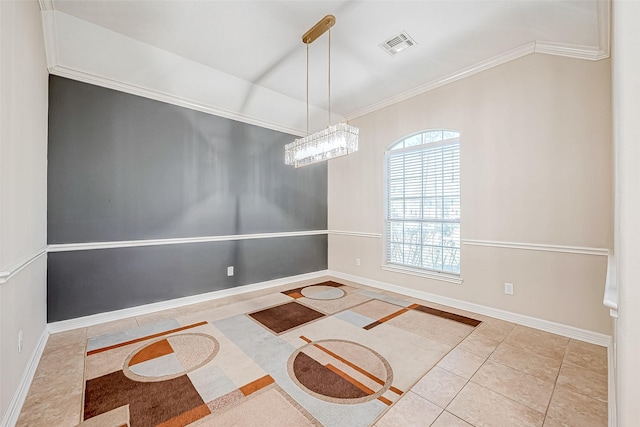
<point x="392" y="315"/>
<point x="386" y="318"/>
<point x="187" y="417"/>
<point x="256" y="385"/>
<point x="160" y="334"/>
<point x="372" y="325"/>
<point x="319" y="379"/>
<point x="351" y="365"/>
<point x="303" y="338"/>
<point x="349" y="378"/>
<point x="447" y="315"/>
<point x="396" y="391"/>
<point x="385" y="400"/>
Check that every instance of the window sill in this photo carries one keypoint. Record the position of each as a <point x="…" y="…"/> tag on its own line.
<point x="445" y="277"/>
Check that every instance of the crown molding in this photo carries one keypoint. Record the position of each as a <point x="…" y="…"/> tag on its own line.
<point x="157" y="95"/>
<point x="450" y="78"/>
<point x="604" y="28"/>
<point x="571" y="51"/>
<point x="48" y="16"/>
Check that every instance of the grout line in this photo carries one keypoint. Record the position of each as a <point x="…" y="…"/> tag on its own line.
<point x="555" y="383"/>
<point x="469" y="380"/>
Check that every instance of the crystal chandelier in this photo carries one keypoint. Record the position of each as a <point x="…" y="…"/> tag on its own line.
<point x="334" y="141"/>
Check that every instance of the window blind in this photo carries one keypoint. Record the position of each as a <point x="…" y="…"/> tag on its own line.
<point x="423" y="202"/>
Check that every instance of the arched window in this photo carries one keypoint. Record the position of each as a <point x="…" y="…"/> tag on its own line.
<point x="422" y="218"/>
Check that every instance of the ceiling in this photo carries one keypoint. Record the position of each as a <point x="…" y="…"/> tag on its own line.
<point x="260" y="41"/>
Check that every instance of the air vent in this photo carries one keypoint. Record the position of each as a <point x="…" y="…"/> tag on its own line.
<point x="397" y="44"/>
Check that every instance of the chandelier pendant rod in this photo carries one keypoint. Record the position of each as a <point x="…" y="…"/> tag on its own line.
<point x="307" y="89"/>
<point x="329" y="74"/>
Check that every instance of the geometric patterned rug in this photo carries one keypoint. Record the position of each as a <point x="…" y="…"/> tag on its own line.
<point x="321" y="355"/>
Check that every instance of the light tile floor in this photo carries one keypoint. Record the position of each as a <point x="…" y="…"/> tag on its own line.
<point x="500" y="375"/>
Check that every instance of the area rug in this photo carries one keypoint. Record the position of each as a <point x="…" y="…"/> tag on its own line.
<point x="327" y="354"/>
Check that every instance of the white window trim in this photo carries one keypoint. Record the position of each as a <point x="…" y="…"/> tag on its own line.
<point x="449" y="277"/>
<point x="426" y="273"/>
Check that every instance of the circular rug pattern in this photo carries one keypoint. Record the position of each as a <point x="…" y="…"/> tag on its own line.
<point x="170" y="357"/>
<point x="340" y="371"/>
<point x="322" y="292"/>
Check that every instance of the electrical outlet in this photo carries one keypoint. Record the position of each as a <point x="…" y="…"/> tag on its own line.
<point x="20" y="341"/>
<point x="357" y="261"/>
<point x="508" y="288"/>
<point x="230" y="270"/>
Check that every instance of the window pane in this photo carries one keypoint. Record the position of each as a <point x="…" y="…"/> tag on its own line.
<point x="413" y="186"/>
<point x="413" y="140"/>
<point x="432" y="233"/>
<point x="396" y="208"/>
<point x="451" y="207"/>
<point x="432" y="207"/>
<point x="433" y="136"/>
<point x="450" y="134"/>
<point x="413" y="209"/>
<point x="412" y="255"/>
<point x="395" y="253"/>
<point x="395" y="232"/>
<point x="396" y="188"/>
<point x="432" y="257"/>
<point x="451" y="235"/>
<point x="451" y="260"/>
<point x="412" y="233"/>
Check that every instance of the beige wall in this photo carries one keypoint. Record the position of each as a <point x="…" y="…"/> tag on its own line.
<point x="536" y="160"/>
<point x="626" y="113"/>
<point x="23" y="189"/>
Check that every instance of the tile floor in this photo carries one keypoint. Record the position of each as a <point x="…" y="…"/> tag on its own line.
<point x="501" y="374"/>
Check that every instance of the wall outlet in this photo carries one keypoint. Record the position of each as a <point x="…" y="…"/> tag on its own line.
<point x="508" y="288"/>
<point x="230" y="270"/>
<point x="20" y="341"/>
<point x="357" y="261"/>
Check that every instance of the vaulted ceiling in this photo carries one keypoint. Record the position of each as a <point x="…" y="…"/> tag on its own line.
<point x="252" y="50"/>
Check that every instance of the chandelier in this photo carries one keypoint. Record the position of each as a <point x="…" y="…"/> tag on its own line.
<point x="334" y="141"/>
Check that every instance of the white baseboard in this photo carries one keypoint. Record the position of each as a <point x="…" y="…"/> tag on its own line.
<point x="94" y="319"/>
<point x="520" y="319"/>
<point x="15" y="406"/>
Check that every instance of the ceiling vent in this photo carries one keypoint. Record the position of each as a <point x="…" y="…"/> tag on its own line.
<point x="397" y="44"/>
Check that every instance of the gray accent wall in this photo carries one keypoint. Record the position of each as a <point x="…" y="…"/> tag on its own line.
<point x="94" y="281"/>
<point x="123" y="167"/>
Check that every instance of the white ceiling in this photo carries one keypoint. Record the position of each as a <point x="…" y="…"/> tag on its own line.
<point x="260" y="41"/>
